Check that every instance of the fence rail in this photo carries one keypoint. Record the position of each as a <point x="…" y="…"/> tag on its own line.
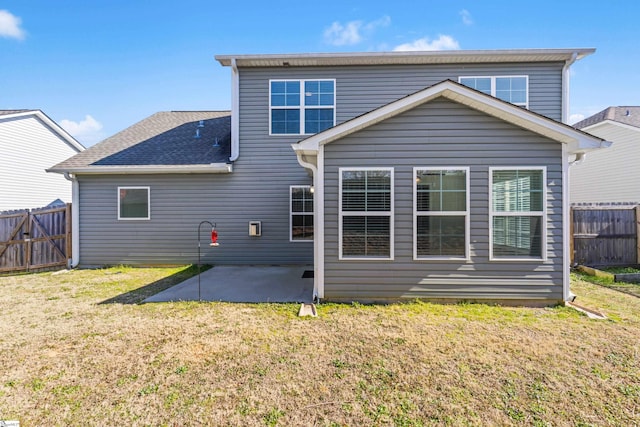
<point x="605" y="236"/>
<point x="35" y="239"/>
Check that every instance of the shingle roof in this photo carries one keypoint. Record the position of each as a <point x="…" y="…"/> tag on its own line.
<point x="626" y="115"/>
<point x="163" y="139"/>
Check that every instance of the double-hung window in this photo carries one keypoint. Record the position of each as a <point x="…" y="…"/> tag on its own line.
<point x="301" y="106"/>
<point x="366" y="213"/>
<point x="301" y="213"/>
<point x="513" y="89"/>
<point x="518" y="213"/>
<point x="441" y="213"/>
<point x="134" y="203"/>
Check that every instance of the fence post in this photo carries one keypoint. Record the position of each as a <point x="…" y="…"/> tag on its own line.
<point x="571" y="247"/>
<point x="637" y="210"/>
<point x="68" y="233"/>
<point x="28" y="240"/>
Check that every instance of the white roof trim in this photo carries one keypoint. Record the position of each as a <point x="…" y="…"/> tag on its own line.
<point x="576" y="140"/>
<point x="53" y="125"/>
<point x="147" y="169"/>
<point x="613" y="123"/>
<point x="416" y="57"/>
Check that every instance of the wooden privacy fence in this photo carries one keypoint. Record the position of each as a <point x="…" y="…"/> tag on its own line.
<point x="605" y="236"/>
<point x="35" y="239"/>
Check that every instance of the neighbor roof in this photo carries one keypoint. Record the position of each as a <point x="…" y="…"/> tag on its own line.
<point x="169" y="141"/>
<point x="19" y="114"/>
<point x="577" y="141"/>
<point x="625" y="115"/>
<point x="395" y="58"/>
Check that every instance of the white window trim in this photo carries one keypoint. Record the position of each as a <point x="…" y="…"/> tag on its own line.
<point x="390" y="214"/>
<point x="302" y="106"/>
<point x="291" y="214"/>
<point x="466" y="213"/>
<point x="148" y="202"/>
<point x="493" y="86"/>
<point x="542" y="214"/>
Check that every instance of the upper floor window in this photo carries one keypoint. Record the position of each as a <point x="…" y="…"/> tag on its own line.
<point x="301" y="106"/>
<point x="513" y="89"/>
<point x="518" y="214"/>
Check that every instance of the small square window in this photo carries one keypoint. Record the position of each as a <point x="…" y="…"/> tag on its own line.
<point x="134" y="203"/>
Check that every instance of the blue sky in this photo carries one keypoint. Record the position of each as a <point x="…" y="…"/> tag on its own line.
<point x="97" y="67"/>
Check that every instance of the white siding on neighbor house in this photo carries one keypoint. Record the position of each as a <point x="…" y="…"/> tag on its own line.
<point x="609" y="175"/>
<point x="28" y="147"/>
<point x="443" y="133"/>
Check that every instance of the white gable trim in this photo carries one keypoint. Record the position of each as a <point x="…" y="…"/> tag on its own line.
<point x="73" y="143"/>
<point x="577" y="141"/>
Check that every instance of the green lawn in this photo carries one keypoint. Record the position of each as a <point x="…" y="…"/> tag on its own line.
<point x="75" y="349"/>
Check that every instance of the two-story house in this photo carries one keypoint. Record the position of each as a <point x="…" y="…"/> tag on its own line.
<point x="440" y="175"/>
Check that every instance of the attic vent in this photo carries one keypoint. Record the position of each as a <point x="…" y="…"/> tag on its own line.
<point x="201" y="124"/>
<point x="216" y="143"/>
<point x="197" y="135"/>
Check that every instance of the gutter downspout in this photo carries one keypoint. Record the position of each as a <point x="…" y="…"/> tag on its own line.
<point x="316" y="239"/>
<point x="75" y="220"/>
<point x="235" y="111"/>
<point x="565" y="87"/>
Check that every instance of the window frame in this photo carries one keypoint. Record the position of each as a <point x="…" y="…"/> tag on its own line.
<point x="291" y="213"/>
<point x="390" y="214"/>
<point x="542" y="214"/>
<point x="133" y="187"/>
<point x="493" y="86"/>
<point x="302" y="107"/>
<point x="465" y="213"/>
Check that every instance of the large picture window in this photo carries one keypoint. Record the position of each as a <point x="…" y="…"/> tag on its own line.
<point x="301" y="211"/>
<point x="301" y="106"/>
<point x="441" y="213"/>
<point x="366" y="213"/>
<point x="513" y="89"/>
<point x="518" y="213"/>
<point x="134" y="203"/>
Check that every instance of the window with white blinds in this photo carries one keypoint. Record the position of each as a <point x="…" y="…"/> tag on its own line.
<point x="518" y="213"/>
<point x="441" y="213"/>
<point x="366" y="213"/>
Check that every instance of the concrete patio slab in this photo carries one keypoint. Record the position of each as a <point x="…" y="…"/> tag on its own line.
<point x="243" y="284"/>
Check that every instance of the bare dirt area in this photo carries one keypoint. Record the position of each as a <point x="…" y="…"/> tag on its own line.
<point x="77" y="349"/>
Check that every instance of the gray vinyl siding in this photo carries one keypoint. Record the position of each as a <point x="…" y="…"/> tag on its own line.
<point x="178" y="204"/>
<point x="444" y="133"/>
<point x="360" y="89"/>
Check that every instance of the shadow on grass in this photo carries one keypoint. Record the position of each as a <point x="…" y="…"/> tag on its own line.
<point x="138" y="295"/>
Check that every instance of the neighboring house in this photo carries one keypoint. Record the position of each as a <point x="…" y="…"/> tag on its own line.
<point x="611" y="175"/>
<point x="29" y="143"/>
<point x="396" y="174"/>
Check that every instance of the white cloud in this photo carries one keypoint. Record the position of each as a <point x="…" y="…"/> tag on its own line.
<point x="10" y="26"/>
<point x="351" y="33"/>
<point x="443" y="42"/>
<point x="466" y="17"/>
<point x="86" y="131"/>
<point x="575" y="118"/>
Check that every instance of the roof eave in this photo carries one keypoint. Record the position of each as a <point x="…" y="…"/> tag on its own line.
<point x="71" y="141"/>
<point x="146" y="169"/>
<point x="576" y="140"/>
<point x="413" y="57"/>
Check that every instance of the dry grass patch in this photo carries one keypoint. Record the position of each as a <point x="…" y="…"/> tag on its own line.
<point x="67" y="359"/>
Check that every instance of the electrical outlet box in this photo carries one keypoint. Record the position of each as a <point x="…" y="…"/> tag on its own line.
<point x="255" y="228"/>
